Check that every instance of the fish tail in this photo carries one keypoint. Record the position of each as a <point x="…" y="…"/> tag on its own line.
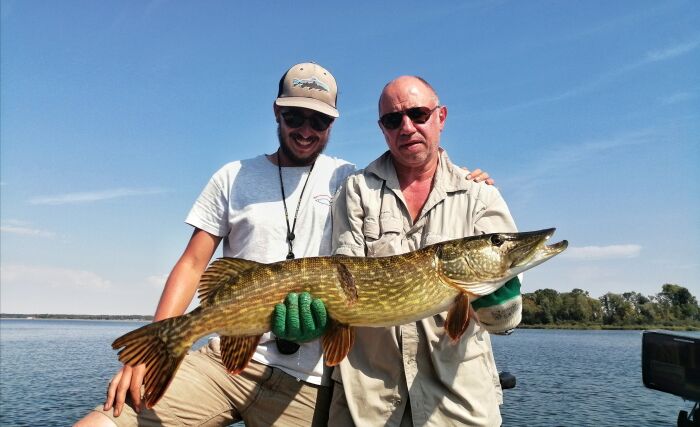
<point x="161" y="346"/>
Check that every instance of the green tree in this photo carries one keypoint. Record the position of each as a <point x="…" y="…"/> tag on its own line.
<point x="677" y="295"/>
<point x="637" y="301"/>
<point x="532" y="313"/>
<point x="649" y="313"/>
<point x="549" y="302"/>
<point x="616" y="310"/>
<point x="576" y="307"/>
<point x="674" y="305"/>
<point x="678" y="303"/>
<point x="596" y="310"/>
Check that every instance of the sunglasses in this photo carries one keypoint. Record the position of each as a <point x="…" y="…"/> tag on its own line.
<point x="295" y="119"/>
<point x="418" y="115"/>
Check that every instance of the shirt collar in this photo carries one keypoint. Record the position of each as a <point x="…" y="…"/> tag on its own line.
<point x="448" y="177"/>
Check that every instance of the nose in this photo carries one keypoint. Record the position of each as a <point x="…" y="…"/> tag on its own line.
<point x="305" y="130"/>
<point x="407" y="126"/>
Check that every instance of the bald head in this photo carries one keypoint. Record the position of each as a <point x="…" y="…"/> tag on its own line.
<point x="411" y="119"/>
<point x="409" y="86"/>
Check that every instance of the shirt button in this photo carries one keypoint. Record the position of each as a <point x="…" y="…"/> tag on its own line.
<point x="397" y="402"/>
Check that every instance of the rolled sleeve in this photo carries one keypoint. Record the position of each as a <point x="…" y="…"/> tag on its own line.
<point x="494" y="216"/>
<point x="348" y="216"/>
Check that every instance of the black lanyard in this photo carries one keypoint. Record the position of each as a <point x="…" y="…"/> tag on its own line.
<point x="290" y="231"/>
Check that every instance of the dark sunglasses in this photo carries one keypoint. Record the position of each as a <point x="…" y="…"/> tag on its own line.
<point x="417" y="115"/>
<point x="295" y="119"/>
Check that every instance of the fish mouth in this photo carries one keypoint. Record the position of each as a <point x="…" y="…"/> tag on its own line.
<point x="532" y="248"/>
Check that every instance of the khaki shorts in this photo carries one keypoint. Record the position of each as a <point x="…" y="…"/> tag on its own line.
<point x="204" y="394"/>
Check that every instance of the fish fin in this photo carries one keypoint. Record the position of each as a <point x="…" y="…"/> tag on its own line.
<point x="152" y="345"/>
<point x="337" y="342"/>
<point x="221" y="272"/>
<point x="458" y="317"/>
<point x="237" y="351"/>
<point x="347" y="282"/>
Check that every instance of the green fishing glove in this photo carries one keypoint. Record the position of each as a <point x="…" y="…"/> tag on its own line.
<point x="300" y="319"/>
<point x="501" y="310"/>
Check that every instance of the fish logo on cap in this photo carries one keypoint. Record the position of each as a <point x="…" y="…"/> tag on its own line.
<point x="310" y="86"/>
<point x="311" y="83"/>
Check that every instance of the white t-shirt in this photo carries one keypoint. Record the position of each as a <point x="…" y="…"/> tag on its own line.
<point x="243" y="204"/>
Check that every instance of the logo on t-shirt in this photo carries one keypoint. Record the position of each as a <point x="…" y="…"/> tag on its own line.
<point x="324" y="199"/>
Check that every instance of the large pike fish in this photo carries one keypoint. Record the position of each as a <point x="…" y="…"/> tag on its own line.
<point x="238" y="298"/>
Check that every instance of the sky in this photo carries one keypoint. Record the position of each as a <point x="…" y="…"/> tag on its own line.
<point x="114" y="115"/>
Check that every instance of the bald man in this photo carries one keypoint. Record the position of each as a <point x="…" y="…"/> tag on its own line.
<point x="410" y="197"/>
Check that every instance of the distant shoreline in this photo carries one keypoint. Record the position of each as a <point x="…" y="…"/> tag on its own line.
<point x="147" y="318"/>
<point x="76" y="316"/>
<point x="595" y="327"/>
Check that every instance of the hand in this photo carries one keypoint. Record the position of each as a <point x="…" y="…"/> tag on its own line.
<point x="501" y="311"/>
<point x="300" y="318"/>
<point x="127" y="379"/>
<point x="480" y="176"/>
<point x="509" y="290"/>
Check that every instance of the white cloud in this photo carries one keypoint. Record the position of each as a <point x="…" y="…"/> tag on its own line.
<point x="671" y="52"/>
<point x="26" y="231"/>
<point x="677" y="97"/>
<point x="602" y="252"/>
<point x="23" y="228"/>
<point x="158" y="281"/>
<point x="563" y="157"/>
<point x="664" y="54"/>
<point x="53" y="277"/>
<point x="616" y="23"/>
<point x="93" y="196"/>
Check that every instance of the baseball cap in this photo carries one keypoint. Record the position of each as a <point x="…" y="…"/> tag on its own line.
<point x="308" y="85"/>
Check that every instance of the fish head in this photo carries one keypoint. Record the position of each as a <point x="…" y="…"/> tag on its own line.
<point x="481" y="264"/>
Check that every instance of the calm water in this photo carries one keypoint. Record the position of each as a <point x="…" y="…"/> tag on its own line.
<point x="53" y="372"/>
<point x="575" y="378"/>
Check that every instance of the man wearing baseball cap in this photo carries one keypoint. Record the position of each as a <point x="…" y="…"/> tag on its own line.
<point x="267" y="208"/>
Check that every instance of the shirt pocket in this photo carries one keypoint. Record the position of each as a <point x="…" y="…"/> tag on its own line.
<point x="370" y="229"/>
<point x="432" y="238"/>
<point x="383" y="237"/>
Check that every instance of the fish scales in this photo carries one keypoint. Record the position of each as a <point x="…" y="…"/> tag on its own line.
<point x="384" y="296"/>
<point x="239" y="296"/>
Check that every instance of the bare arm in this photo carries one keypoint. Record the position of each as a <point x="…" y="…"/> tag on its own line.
<point x="177" y="294"/>
<point x="183" y="280"/>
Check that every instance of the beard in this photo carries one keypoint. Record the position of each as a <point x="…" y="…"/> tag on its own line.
<point x="289" y="153"/>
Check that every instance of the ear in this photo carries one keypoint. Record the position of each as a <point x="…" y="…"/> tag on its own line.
<point x="442" y="116"/>
<point x="276" y="110"/>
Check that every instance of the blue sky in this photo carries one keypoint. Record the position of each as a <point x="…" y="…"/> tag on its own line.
<point x="116" y="113"/>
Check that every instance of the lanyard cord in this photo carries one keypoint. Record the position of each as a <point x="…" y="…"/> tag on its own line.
<point x="290" y="232"/>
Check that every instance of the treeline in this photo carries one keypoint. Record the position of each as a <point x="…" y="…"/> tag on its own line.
<point x="674" y="306"/>
<point x="76" y="316"/>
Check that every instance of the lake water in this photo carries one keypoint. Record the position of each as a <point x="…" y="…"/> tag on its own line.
<point x="53" y="371"/>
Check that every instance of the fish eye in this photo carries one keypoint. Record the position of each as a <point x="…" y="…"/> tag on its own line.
<point x="496" y="240"/>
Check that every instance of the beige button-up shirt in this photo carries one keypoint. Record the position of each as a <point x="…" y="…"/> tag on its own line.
<point x="444" y="383"/>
